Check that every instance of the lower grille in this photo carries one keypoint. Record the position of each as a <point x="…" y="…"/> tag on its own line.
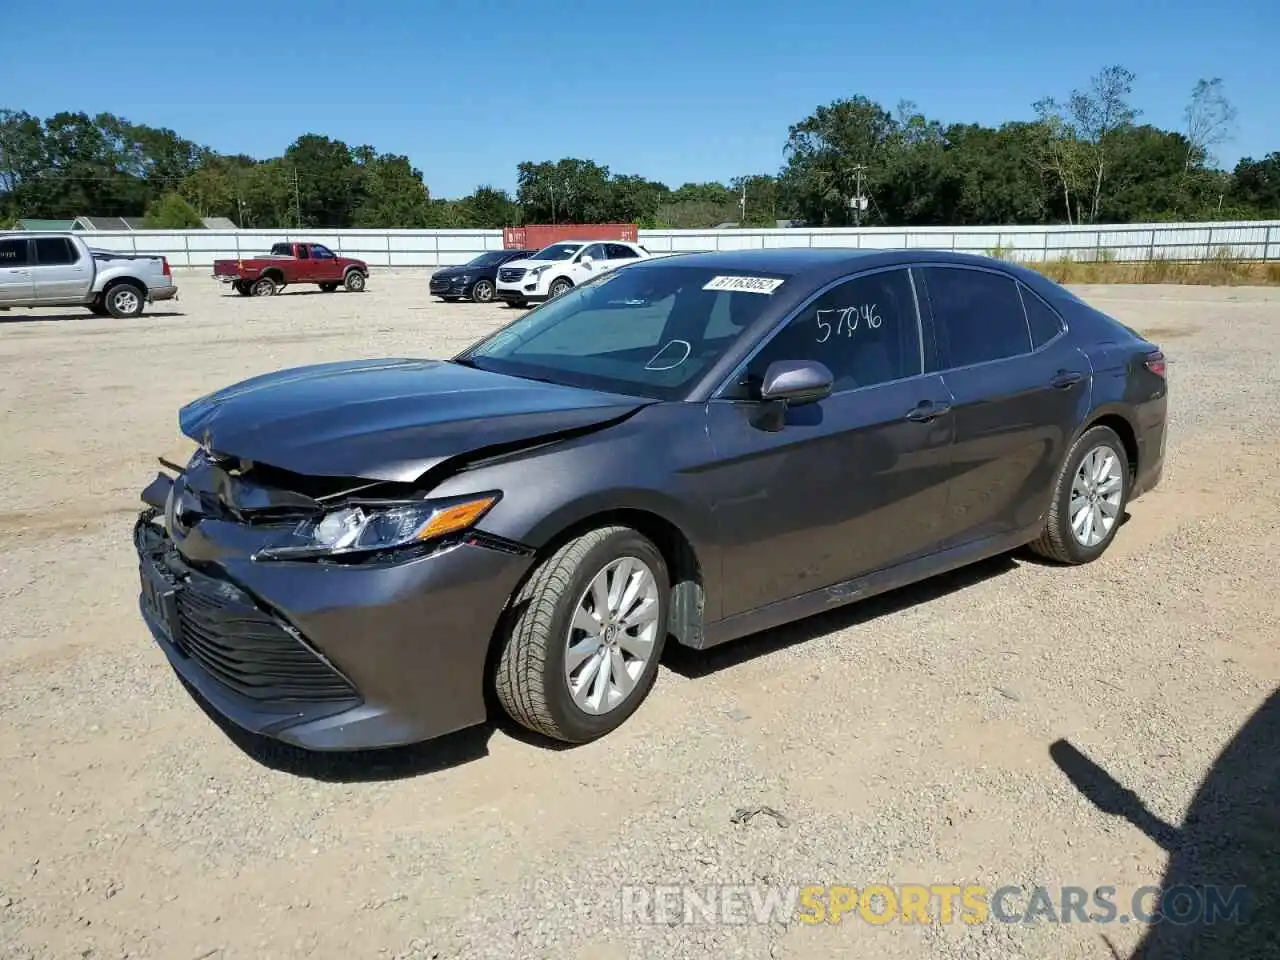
<point x="249" y="650"/>
<point x="510" y="275"/>
<point x="238" y="643"/>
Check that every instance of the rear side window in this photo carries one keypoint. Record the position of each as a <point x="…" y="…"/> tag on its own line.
<point x="1044" y="323"/>
<point x="51" y="251"/>
<point x="979" y="315"/>
<point x="618" y="252"/>
<point x="13" y="253"/>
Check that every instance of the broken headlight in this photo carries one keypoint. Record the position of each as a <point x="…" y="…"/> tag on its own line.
<point x="368" y="528"/>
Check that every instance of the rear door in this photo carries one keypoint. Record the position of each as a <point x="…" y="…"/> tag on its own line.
<point x="60" y="274"/>
<point x="15" y="271"/>
<point x="1017" y="399"/>
<point x="852" y="484"/>
<point x="620" y="254"/>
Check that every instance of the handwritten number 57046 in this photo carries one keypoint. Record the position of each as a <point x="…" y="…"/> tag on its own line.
<point x="848" y="320"/>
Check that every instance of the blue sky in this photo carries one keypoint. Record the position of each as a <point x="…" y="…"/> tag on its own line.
<point x="675" y="90"/>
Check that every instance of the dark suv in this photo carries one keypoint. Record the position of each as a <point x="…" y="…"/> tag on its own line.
<point x="474" y="279"/>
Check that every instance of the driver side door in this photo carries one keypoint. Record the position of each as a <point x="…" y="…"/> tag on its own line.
<point x="583" y="271"/>
<point x="849" y="485"/>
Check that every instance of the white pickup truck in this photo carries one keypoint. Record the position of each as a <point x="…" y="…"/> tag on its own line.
<point x="61" y="270"/>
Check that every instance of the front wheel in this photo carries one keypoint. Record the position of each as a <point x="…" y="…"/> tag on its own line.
<point x="583" y="636"/>
<point x="559" y="287"/>
<point x="354" y="281"/>
<point x="124" y="300"/>
<point x="482" y="292"/>
<point x="1089" y="498"/>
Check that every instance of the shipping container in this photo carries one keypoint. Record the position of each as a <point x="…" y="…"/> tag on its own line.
<point x="535" y="236"/>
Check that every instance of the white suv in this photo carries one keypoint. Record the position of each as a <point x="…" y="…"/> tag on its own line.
<point x="560" y="267"/>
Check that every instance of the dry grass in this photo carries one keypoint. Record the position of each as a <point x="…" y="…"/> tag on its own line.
<point x="1223" y="269"/>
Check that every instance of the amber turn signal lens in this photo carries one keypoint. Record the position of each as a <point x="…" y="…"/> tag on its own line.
<point x="458" y="517"/>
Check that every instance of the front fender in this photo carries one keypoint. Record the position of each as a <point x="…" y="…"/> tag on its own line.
<point x="650" y="462"/>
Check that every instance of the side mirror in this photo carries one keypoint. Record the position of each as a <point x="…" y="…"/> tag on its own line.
<point x="796" y="382"/>
<point x="586" y="261"/>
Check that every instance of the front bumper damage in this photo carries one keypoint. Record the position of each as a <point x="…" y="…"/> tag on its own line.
<point x="324" y="656"/>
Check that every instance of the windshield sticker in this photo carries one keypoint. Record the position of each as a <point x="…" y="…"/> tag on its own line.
<point x="677" y="353"/>
<point x="745" y="284"/>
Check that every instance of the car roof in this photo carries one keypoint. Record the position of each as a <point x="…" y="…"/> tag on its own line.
<point x="818" y="262"/>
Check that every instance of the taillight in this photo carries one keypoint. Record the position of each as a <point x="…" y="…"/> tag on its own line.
<point x="1155" y="363"/>
<point x="167" y="271"/>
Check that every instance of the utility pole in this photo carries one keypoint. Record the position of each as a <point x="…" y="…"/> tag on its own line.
<point x="742" y="204"/>
<point x="552" y="188"/>
<point x="297" y="200"/>
<point x="858" y="202"/>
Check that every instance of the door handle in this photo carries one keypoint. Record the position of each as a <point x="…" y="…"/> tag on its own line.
<point x="1066" y="379"/>
<point x="927" y="410"/>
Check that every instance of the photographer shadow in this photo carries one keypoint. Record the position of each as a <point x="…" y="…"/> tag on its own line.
<point x="1229" y="840"/>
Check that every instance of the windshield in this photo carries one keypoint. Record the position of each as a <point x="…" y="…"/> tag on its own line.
<point x="650" y="331"/>
<point x="488" y="259"/>
<point x="557" y="251"/>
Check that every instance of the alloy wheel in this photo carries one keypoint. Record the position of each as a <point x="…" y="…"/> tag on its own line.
<point x="1096" y="492"/>
<point x="612" y="636"/>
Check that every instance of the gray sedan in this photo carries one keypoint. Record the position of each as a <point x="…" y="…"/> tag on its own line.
<point x="685" y="450"/>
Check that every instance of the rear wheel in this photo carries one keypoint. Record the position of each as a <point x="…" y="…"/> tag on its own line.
<point x="584" y="636"/>
<point x="241" y="287"/>
<point x="1088" y="499"/>
<point x="354" y="281"/>
<point x="124" y="300"/>
<point x="482" y="292"/>
<point x="263" y="287"/>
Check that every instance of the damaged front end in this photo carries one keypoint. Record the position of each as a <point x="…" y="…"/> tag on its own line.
<point x="333" y="613"/>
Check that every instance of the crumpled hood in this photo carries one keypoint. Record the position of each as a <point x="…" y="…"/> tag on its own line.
<point x="386" y="419"/>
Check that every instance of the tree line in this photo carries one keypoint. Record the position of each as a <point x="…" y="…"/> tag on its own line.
<point x="1082" y="157"/>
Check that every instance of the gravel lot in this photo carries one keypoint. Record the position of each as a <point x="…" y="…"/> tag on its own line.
<point x="905" y="740"/>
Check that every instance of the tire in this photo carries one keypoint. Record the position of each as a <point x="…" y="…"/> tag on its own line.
<point x="263" y="287"/>
<point x="530" y="678"/>
<point x="1059" y="541"/>
<point x="98" y="308"/>
<point x="329" y="287"/>
<point x="354" y="281"/>
<point x="124" y="300"/>
<point x="242" y="287"/>
<point x="559" y="287"/>
<point x="482" y="291"/>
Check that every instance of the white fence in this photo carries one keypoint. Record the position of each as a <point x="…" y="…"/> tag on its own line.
<point x="1254" y="240"/>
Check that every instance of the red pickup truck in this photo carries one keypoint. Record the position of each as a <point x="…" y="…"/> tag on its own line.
<point x="292" y="263"/>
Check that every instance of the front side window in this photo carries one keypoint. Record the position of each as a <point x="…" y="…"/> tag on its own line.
<point x="13" y="253"/>
<point x="865" y="331"/>
<point x="649" y="331"/>
<point x="557" y="251"/>
<point x="322" y="253"/>
<point x="595" y="252"/>
<point x="978" y="314"/>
